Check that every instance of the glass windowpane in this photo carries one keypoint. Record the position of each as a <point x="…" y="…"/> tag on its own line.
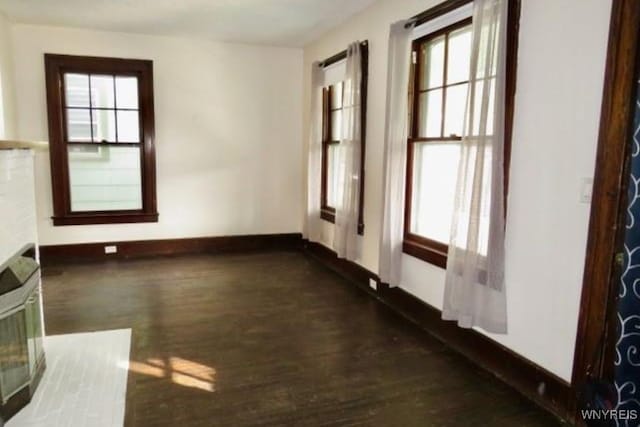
<point x="104" y="126"/>
<point x="433" y="63"/>
<point x="127" y="92"/>
<point x="435" y="167"/>
<point x="104" y="178"/>
<point x="76" y="90"/>
<point x="336" y="96"/>
<point x="459" y="55"/>
<point x="334" y="189"/>
<point x="128" y="126"/>
<point x="430" y="119"/>
<point x="455" y="109"/>
<point x="336" y="125"/>
<point x="102" y="92"/>
<point x="78" y="125"/>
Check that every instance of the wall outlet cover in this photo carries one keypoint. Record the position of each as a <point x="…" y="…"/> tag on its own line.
<point x="373" y="284"/>
<point x="110" y="249"/>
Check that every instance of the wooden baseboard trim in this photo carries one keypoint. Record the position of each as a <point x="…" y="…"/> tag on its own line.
<point x="534" y="382"/>
<point x="144" y="248"/>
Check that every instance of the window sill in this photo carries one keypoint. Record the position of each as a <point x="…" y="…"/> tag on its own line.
<point x="425" y="253"/>
<point x="329" y="214"/>
<point x="105" y="218"/>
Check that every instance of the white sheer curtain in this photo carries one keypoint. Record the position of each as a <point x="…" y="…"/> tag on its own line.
<point x="395" y="152"/>
<point x="313" y="226"/>
<point x="345" y="238"/>
<point x="474" y="286"/>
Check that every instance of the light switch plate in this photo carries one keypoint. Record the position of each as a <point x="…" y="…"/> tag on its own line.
<point x="586" y="188"/>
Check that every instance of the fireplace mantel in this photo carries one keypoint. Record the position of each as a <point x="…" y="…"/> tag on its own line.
<point x="6" y="144"/>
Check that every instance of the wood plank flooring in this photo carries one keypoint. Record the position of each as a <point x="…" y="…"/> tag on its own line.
<point x="271" y="339"/>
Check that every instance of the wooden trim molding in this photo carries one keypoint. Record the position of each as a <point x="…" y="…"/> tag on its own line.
<point x="596" y="325"/>
<point x="140" y="248"/>
<point x="532" y="381"/>
<point x="55" y="68"/>
<point x="438" y="10"/>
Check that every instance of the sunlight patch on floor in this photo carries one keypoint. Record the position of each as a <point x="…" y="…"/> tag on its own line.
<point x="180" y="371"/>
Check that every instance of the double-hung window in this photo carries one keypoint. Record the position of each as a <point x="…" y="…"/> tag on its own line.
<point x="437" y="98"/>
<point x="101" y="131"/>
<point x="332" y="105"/>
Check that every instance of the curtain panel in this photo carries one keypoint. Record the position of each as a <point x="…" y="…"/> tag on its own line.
<point x="475" y="293"/>
<point x="313" y="226"/>
<point x="345" y="237"/>
<point x="395" y="152"/>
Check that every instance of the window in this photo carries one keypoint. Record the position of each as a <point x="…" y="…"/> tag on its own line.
<point x="332" y="96"/>
<point x="437" y="101"/>
<point x="332" y="130"/>
<point x="101" y="134"/>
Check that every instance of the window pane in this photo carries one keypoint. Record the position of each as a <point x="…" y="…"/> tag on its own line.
<point x="435" y="167"/>
<point x="76" y="88"/>
<point x="128" y="127"/>
<point x="104" y="178"/>
<point x="334" y="189"/>
<point x="483" y="88"/>
<point x="102" y="92"/>
<point x="433" y="63"/>
<point x="78" y="125"/>
<point x="127" y="92"/>
<point x="459" y="55"/>
<point x="430" y="119"/>
<point x="336" y="125"/>
<point x="336" y="96"/>
<point x="455" y="109"/>
<point x="104" y="125"/>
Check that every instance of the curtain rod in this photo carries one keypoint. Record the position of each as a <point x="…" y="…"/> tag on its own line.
<point x="435" y="11"/>
<point x="338" y="56"/>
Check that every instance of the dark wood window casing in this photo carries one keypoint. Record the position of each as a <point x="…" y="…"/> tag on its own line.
<point x="328" y="212"/>
<point x="428" y="250"/>
<point x="56" y="66"/>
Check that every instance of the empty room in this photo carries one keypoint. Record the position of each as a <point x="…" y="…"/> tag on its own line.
<point x="319" y="213"/>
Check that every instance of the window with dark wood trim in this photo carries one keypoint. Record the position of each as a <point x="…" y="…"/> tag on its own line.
<point x="331" y="129"/>
<point x="437" y="99"/>
<point x="101" y="139"/>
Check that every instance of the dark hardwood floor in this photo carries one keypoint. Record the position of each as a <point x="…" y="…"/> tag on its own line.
<point x="271" y="339"/>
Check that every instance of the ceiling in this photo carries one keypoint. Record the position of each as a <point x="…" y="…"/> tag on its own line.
<point x="291" y="23"/>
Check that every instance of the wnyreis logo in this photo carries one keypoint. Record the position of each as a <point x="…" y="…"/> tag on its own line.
<point x="609" y="414"/>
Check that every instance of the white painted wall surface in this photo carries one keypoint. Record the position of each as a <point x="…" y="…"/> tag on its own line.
<point x="17" y="202"/>
<point x="559" y="86"/>
<point x="7" y="93"/>
<point x="228" y="130"/>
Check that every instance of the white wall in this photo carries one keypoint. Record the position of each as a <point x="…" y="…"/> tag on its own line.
<point x="7" y="94"/>
<point x="559" y="84"/>
<point x="17" y="202"/>
<point x="228" y="129"/>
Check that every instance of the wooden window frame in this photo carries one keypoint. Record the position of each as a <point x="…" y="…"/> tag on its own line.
<point x="55" y="68"/>
<point x="428" y="250"/>
<point x="328" y="213"/>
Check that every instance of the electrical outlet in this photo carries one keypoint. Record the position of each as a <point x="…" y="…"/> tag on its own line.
<point x="373" y="284"/>
<point x="110" y="249"/>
